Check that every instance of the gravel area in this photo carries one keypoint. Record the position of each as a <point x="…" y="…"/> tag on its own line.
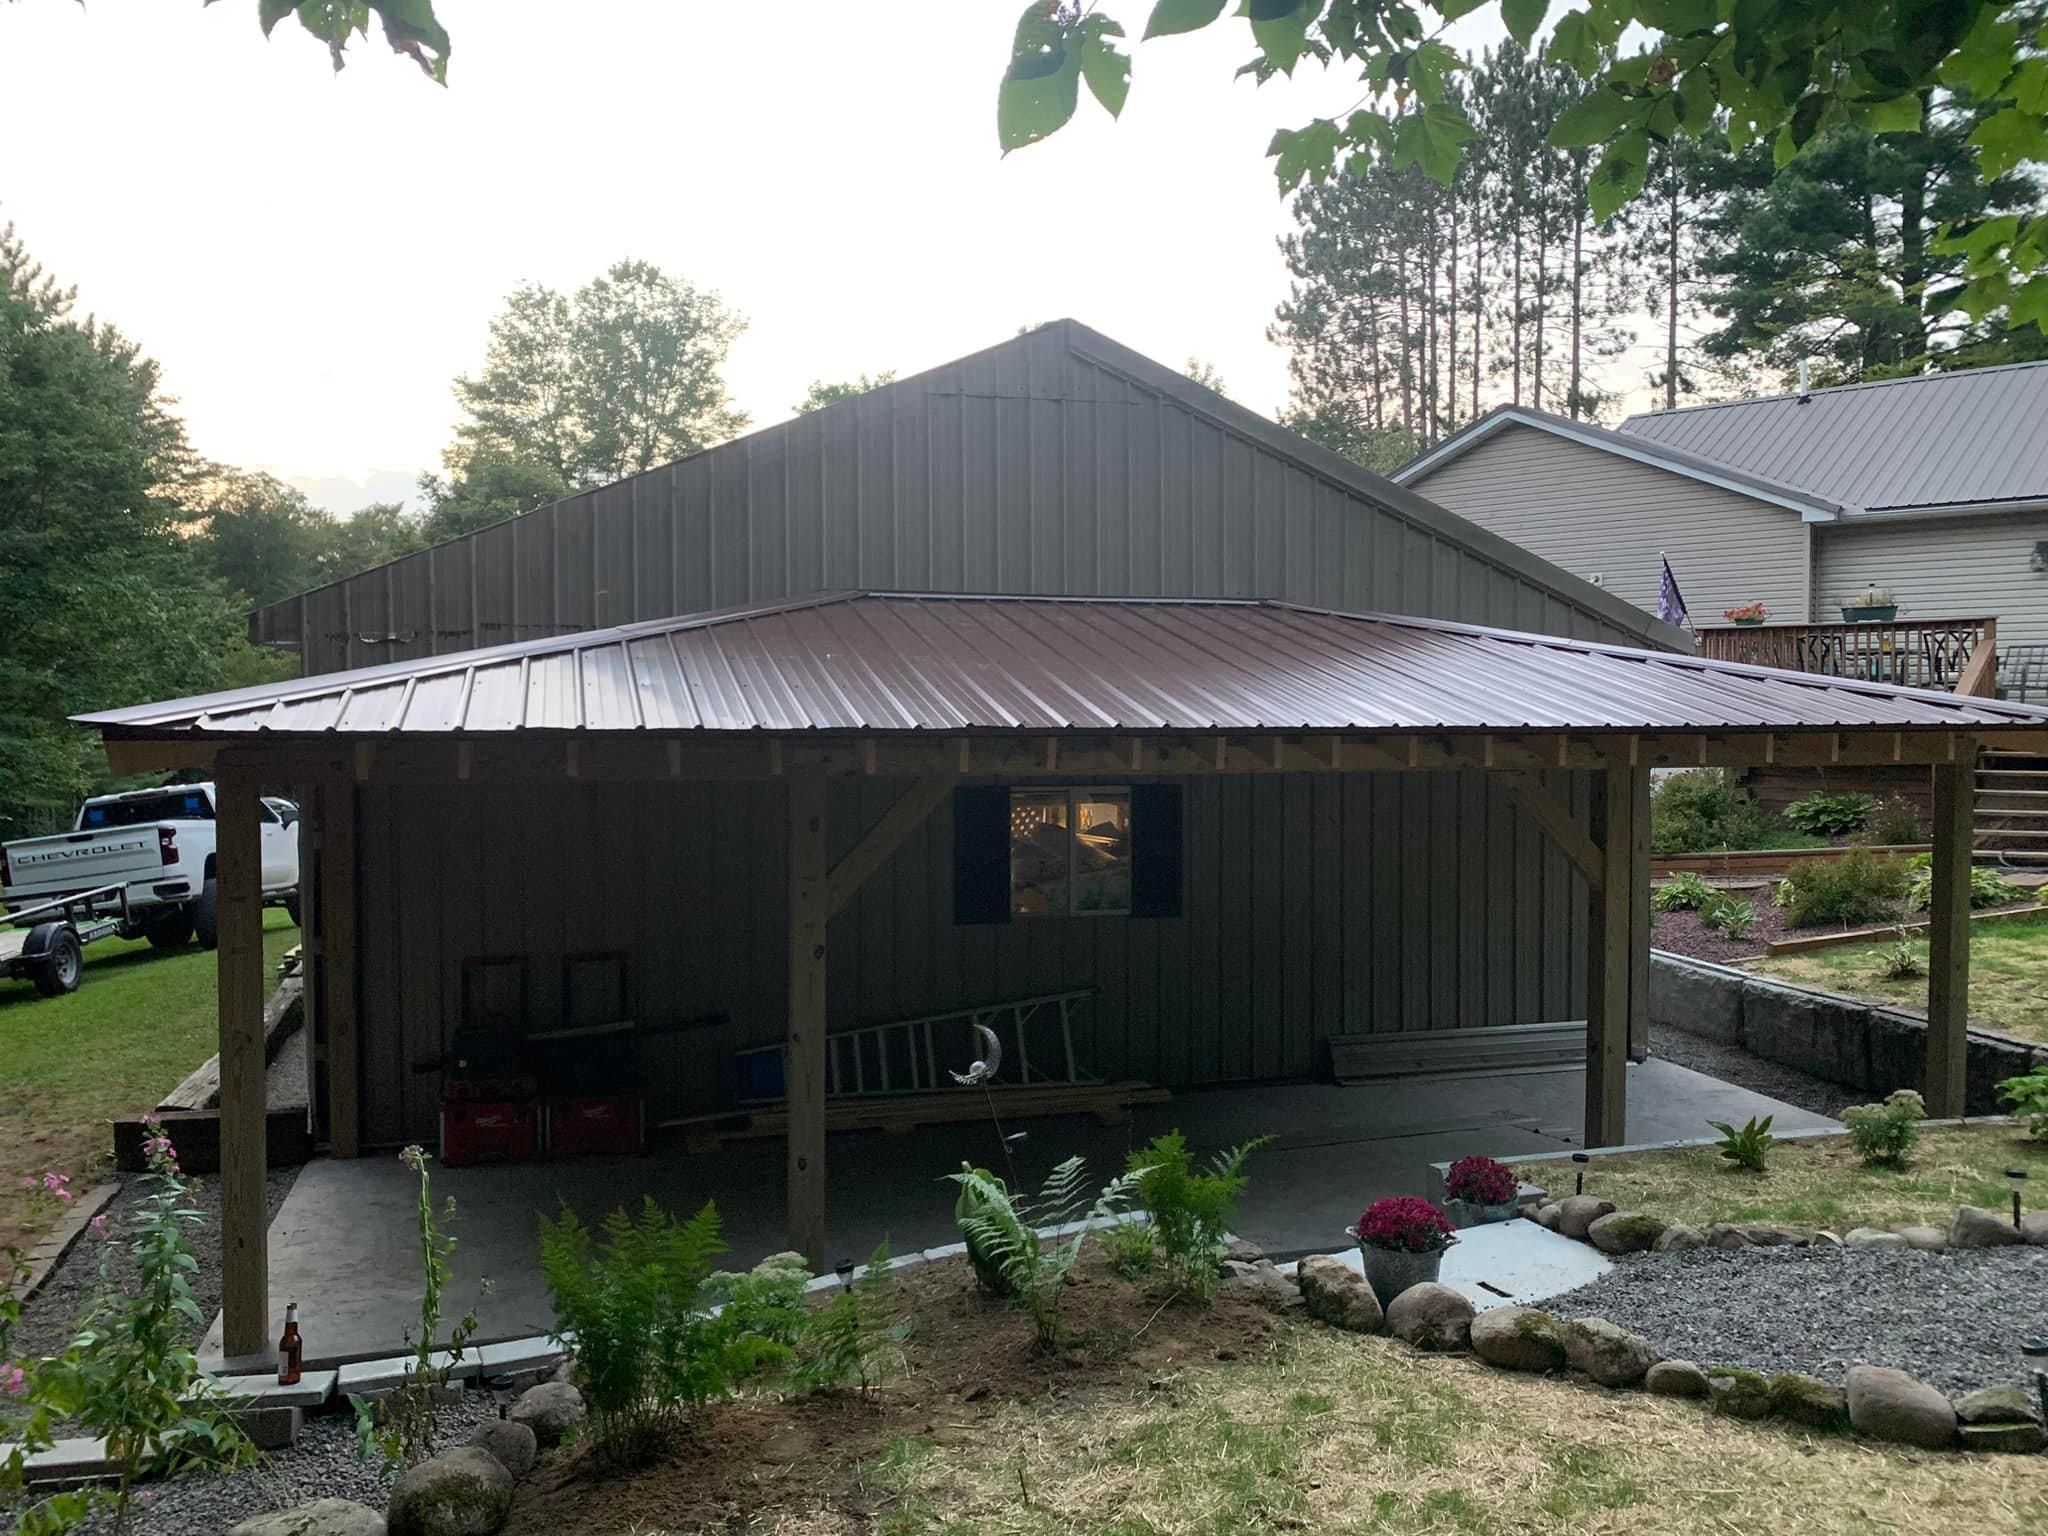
<point x="1955" y="1320"/>
<point x="1732" y="1064"/>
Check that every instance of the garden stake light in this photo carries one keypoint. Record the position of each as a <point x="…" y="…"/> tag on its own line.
<point x="2032" y="1350"/>
<point x="844" y="1271"/>
<point x="1582" y="1159"/>
<point x="2018" y="1177"/>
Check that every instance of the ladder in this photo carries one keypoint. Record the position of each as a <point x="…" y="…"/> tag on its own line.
<point x="2010" y="819"/>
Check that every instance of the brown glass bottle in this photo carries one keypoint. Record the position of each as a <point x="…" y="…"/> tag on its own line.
<point x="291" y="1350"/>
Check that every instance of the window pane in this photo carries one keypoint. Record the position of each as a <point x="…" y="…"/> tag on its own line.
<point x="1041" y="853"/>
<point x="1102" y="850"/>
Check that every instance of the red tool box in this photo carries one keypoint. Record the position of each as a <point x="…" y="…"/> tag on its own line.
<point x="489" y="1131"/>
<point x="594" y="1125"/>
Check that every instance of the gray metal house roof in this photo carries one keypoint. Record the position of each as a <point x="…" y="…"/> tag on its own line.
<point x="1976" y="439"/>
<point x="891" y="662"/>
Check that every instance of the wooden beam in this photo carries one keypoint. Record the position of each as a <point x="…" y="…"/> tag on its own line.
<point x="885" y="837"/>
<point x="804" y="1051"/>
<point x="1609" y="939"/>
<point x="1534" y="797"/>
<point x="337" y="959"/>
<point x="1980" y="674"/>
<point x="238" y="921"/>
<point x="1948" y="942"/>
<point x="1639" y="919"/>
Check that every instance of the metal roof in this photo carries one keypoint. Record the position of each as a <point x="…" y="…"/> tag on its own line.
<point x="886" y="662"/>
<point x="1974" y="438"/>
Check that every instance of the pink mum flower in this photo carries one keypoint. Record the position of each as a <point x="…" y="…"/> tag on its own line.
<point x="98" y="1225"/>
<point x="13" y="1381"/>
<point x="55" y="1182"/>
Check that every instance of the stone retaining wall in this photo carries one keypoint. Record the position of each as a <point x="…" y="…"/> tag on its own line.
<point x="1841" y="1039"/>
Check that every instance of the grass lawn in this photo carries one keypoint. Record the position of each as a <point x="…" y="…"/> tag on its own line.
<point x="138" y="1023"/>
<point x="1819" y="1183"/>
<point x="2008" y="975"/>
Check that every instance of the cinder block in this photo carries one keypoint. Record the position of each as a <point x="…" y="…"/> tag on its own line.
<point x="311" y="1390"/>
<point x="66" y="1463"/>
<point x="1701" y="999"/>
<point x="268" y="1427"/>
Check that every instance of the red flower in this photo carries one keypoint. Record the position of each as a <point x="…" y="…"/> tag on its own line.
<point x="1482" y="1181"/>
<point x="1406" y="1223"/>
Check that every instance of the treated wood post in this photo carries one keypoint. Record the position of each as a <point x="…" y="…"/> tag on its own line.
<point x="1610" y="941"/>
<point x="804" y="1052"/>
<point x="238" y="925"/>
<point x="1639" y="918"/>
<point x="1948" y="940"/>
<point x="337" y="959"/>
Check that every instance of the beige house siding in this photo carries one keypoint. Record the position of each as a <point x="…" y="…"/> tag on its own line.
<point x="1606" y="518"/>
<point x="1940" y="568"/>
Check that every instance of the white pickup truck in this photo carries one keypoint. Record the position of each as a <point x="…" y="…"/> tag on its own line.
<point x="146" y="858"/>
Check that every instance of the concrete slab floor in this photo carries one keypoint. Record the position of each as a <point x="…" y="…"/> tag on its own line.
<point x="345" y="1244"/>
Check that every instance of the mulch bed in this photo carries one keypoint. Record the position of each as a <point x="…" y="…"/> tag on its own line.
<point x="1684" y="934"/>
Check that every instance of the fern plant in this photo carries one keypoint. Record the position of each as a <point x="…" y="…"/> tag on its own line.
<point x="1015" y="1239"/>
<point x="854" y="1341"/>
<point x="1191" y="1211"/>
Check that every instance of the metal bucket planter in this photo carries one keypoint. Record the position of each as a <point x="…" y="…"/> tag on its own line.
<point x="1390" y="1271"/>
<point x="1471" y="1213"/>
<point x="1871" y="615"/>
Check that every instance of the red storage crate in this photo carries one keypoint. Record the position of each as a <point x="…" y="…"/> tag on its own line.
<point x="594" y="1125"/>
<point x="489" y="1131"/>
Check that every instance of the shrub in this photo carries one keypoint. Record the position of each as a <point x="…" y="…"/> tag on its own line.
<point x="1684" y="892"/>
<point x="1858" y="887"/>
<point x="1032" y="1265"/>
<point x="1895" y="820"/>
<point x="1407" y="1224"/>
<point x="1482" y="1181"/>
<point x="1731" y="916"/>
<point x="1830" y="815"/>
<point x="1703" y="810"/>
<point x="1883" y="1134"/>
<point x="2027" y="1094"/>
<point x="1748" y="1147"/>
<point x="1130" y="1248"/>
<point x="1988" y="888"/>
<point x="634" y="1296"/>
<point x="1191" y="1212"/>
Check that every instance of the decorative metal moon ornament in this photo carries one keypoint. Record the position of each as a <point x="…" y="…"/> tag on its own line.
<point x="990" y="1063"/>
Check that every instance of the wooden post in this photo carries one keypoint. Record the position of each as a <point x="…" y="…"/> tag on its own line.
<point x="238" y="922"/>
<point x="1948" y="940"/>
<point x="1610" y="940"/>
<point x="1639" y="919"/>
<point x="804" y="1053"/>
<point x="337" y="910"/>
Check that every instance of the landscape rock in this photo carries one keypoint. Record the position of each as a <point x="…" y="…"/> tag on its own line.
<point x="1973" y="1228"/>
<point x="513" y="1443"/>
<point x="1578" y="1212"/>
<point x="1924" y="1239"/>
<point x="1549" y="1214"/>
<point x="1677" y="1378"/>
<point x="1997" y="1405"/>
<point x="551" y="1410"/>
<point x="322" y="1517"/>
<point x="1431" y="1316"/>
<point x="1518" y="1339"/>
<point x="1260" y="1280"/>
<point x="1757" y="1235"/>
<point x="1810" y="1401"/>
<point x="1625" y="1232"/>
<point x="1337" y="1294"/>
<point x="2012" y="1439"/>
<point x="1891" y="1405"/>
<point x="1873" y="1237"/>
<point x="1823" y="1238"/>
<point x="1738" y="1393"/>
<point x="1242" y="1251"/>
<point x="1679" y="1238"/>
<point x="463" y="1492"/>
<point x="2034" y="1227"/>
<point x="1608" y="1352"/>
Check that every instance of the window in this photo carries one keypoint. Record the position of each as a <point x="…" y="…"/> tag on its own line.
<point x="171" y="805"/>
<point x="1070" y="852"/>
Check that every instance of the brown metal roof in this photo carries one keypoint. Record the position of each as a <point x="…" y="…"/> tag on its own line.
<point x="879" y="662"/>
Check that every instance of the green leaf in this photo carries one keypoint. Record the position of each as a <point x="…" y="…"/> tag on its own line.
<point x="2007" y="138"/>
<point x="1430" y="140"/>
<point x="1986" y="56"/>
<point x="1171" y="16"/>
<point x="1678" y="17"/>
<point x="2029" y="303"/>
<point x="1304" y="152"/>
<point x="1042" y="86"/>
<point x="1451" y="10"/>
<point x="411" y="28"/>
<point x="1596" y="117"/>
<point x="1522" y="18"/>
<point x="1105" y="67"/>
<point x="2029" y="86"/>
<point x="270" y="12"/>
<point x="1618" y="178"/>
<point x="1573" y="42"/>
<point x="1899" y="115"/>
<point x="1280" y="28"/>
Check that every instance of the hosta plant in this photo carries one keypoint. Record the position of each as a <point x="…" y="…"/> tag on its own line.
<point x="2027" y="1096"/>
<point x="1749" y="1146"/>
<point x="1683" y="892"/>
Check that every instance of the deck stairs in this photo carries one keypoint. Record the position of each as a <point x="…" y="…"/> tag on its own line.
<point x="2011" y="816"/>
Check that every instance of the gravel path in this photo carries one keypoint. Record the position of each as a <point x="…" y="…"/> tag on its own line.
<point x="1953" y="1319"/>
<point x="1732" y="1064"/>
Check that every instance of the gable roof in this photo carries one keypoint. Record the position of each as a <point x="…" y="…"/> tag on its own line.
<point x="1975" y="439"/>
<point x="922" y="663"/>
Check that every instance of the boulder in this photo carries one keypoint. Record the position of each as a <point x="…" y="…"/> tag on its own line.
<point x="1337" y="1294"/>
<point x="1810" y="1401"/>
<point x="1625" y="1232"/>
<point x="1431" y="1316"/>
<point x="1578" y="1212"/>
<point x="322" y="1517"/>
<point x="463" y="1492"/>
<point x="1677" y="1378"/>
<point x="514" y="1444"/>
<point x="1548" y="1215"/>
<point x="1764" y="1234"/>
<point x="1924" y="1239"/>
<point x="2034" y="1227"/>
<point x="552" y="1410"/>
<point x="1738" y="1393"/>
<point x="1891" y="1405"/>
<point x="2013" y="1439"/>
<point x="1679" y="1238"/>
<point x="1873" y="1237"/>
<point x="1997" y="1405"/>
<point x="1242" y="1251"/>
<point x="1973" y="1228"/>
<point x="1518" y="1339"/>
<point x="1262" y="1282"/>
<point x="1608" y="1352"/>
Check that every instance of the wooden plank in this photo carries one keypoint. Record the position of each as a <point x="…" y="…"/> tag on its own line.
<point x="1609" y="936"/>
<point x="1948" y="941"/>
<point x="238" y="917"/>
<point x="1494" y="1048"/>
<point x="885" y="837"/>
<point x="1533" y="796"/>
<point x="338" y="962"/>
<point x="804" y="1055"/>
<point x="1980" y="674"/>
<point x="1639" y="919"/>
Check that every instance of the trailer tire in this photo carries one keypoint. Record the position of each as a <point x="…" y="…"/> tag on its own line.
<point x="171" y="931"/>
<point x="61" y="964"/>
<point x="203" y="915"/>
<point x="291" y="908"/>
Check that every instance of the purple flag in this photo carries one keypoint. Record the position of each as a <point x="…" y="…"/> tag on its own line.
<point x="1670" y="602"/>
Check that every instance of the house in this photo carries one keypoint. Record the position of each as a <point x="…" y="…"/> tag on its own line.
<point x="1934" y="488"/>
<point x="1048" y="674"/>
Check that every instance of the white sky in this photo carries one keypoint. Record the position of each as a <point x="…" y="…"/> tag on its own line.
<point x="313" y="257"/>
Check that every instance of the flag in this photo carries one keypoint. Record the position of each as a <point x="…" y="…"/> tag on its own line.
<point x="1670" y="602"/>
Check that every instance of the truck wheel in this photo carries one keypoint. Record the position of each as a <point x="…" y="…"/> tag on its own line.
<point x="57" y="972"/>
<point x="171" y="931"/>
<point x="291" y="908"/>
<point x="202" y="915"/>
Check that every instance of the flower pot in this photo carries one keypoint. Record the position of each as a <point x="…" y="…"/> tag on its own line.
<point x="1390" y="1271"/>
<point x="1472" y="1213"/>
<point x="1746" y="623"/>
<point x="1870" y="615"/>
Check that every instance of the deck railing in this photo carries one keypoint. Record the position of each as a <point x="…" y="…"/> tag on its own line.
<point x="1959" y="655"/>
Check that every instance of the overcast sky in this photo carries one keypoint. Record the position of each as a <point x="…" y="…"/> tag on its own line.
<point x="313" y="257"/>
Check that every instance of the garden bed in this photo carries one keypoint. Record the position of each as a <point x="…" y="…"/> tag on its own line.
<point x="2008" y="975"/>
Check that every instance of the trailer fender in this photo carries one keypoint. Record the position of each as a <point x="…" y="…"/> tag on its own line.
<point x="42" y="939"/>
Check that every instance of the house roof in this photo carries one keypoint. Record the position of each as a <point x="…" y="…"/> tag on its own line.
<point x="898" y="662"/>
<point x="1973" y="439"/>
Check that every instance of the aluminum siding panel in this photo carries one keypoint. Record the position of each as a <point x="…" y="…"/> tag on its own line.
<point x="1962" y="567"/>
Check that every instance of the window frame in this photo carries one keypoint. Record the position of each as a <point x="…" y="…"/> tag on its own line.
<point x="1075" y="795"/>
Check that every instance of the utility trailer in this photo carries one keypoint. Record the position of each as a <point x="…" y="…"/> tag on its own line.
<point x="47" y="942"/>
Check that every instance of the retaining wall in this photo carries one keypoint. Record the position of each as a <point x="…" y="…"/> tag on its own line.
<point x="1857" y="1044"/>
